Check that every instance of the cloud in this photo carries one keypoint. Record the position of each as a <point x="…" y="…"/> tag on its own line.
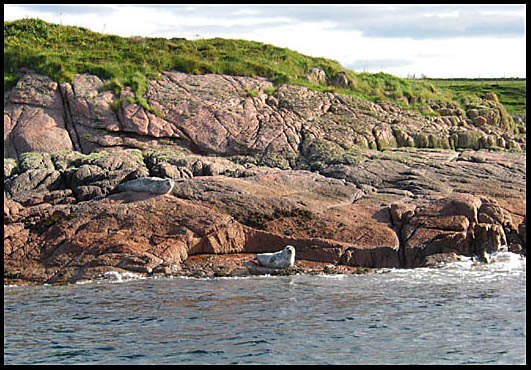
<point x="374" y="64"/>
<point x="389" y="21"/>
<point x="416" y="22"/>
<point x="68" y="9"/>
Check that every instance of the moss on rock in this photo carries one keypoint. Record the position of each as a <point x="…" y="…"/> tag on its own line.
<point x="35" y="160"/>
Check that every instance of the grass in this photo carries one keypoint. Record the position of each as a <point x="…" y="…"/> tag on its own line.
<point x="511" y="92"/>
<point x="63" y="51"/>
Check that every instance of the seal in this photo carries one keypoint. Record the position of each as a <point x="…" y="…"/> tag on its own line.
<point x="153" y="185"/>
<point x="279" y="260"/>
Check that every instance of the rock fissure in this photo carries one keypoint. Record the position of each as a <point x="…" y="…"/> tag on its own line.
<point x="61" y="270"/>
<point x="403" y="245"/>
<point x="237" y="86"/>
<point x="70" y="125"/>
<point x="398" y="229"/>
<point x="220" y="122"/>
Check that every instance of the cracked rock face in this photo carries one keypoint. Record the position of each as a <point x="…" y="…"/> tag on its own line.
<point x="34" y="118"/>
<point x="228" y="115"/>
<point x="252" y="172"/>
<point x="50" y="236"/>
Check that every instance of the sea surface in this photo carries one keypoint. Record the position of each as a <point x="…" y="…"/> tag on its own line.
<point x="461" y="313"/>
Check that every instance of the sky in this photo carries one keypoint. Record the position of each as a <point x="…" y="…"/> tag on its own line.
<point x="438" y="41"/>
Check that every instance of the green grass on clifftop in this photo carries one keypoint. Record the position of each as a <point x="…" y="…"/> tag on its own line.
<point x="511" y="92"/>
<point x="63" y="51"/>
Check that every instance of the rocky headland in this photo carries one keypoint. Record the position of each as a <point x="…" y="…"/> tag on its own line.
<point x="351" y="184"/>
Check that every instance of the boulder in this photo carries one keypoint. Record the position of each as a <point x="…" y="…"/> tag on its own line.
<point x="491" y="96"/>
<point x="34" y="118"/>
<point x="35" y="179"/>
<point x="341" y="80"/>
<point x="316" y="75"/>
<point x="488" y="238"/>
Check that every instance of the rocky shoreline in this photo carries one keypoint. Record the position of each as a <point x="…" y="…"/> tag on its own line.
<point x="352" y="185"/>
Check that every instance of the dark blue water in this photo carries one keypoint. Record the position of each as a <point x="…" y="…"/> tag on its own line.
<point x="459" y="314"/>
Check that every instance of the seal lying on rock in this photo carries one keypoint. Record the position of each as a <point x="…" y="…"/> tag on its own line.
<point x="279" y="260"/>
<point x="153" y="185"/>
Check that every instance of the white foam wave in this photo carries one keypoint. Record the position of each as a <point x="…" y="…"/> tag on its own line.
<point x="333" y="276"/>
<point x="118" y="277"/>
<point x="500" y="261"/>
<point x="502" y="264"/>
<point x="203" y="278"/>
<point x="11" y="286"/>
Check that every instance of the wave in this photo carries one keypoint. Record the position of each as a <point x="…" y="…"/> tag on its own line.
<point x="499" y="261"/>
<point x="503" y="265"/>
<point x="113" y="277"/>
<point x="120" y="277"/>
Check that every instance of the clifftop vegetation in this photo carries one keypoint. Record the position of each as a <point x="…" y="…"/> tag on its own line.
<point x="63" y="51"/>
<point x="510" y="91"/>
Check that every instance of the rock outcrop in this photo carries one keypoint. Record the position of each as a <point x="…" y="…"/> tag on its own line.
<point x="216" y="115"/>
<point x="348" y="183"/>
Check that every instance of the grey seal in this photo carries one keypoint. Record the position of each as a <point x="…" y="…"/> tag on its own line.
<point x="279" y="260"/>
<point x="153" y="185"/>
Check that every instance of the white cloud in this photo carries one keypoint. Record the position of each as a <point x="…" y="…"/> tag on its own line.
<point x="502" y="12"/>
<point x="246" y="12"/>
<point x="452" y="14"/>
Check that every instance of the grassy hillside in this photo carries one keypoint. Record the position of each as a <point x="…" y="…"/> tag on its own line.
<point x="62" y="51"/>
<point x="510" y="92"/>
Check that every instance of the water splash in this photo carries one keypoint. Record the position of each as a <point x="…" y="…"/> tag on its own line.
<point x="499" y="261"/>
<point x="466" y="270"/>
<point x="118" y="277"/>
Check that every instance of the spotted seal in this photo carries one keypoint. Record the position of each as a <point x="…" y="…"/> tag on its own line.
<point x="153" y="185"/>
<point x="279" y="260"/>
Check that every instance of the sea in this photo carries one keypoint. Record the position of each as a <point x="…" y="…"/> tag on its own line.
<point x="459" y="313"/>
